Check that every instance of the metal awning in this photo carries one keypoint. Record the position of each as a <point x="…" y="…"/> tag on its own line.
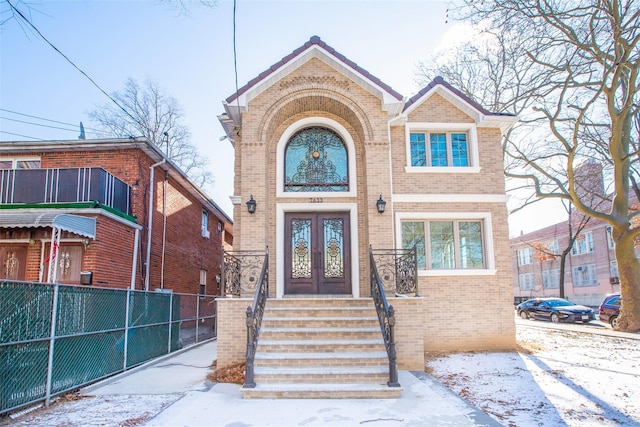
<point x="81" y="225"/>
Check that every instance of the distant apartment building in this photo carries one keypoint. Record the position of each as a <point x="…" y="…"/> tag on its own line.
<point x="591" y="270"/>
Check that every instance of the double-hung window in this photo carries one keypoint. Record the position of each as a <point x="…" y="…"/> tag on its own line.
<point x="446" y="244"/>
<point x="19" y="163"/>
<point x="525" y="256"/>
<point x="439" y="149"/>
<point x="584" y="275"/>
<point x="583" y="244"/>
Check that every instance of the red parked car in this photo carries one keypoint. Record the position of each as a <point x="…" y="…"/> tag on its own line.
<point x="610" y="309"/>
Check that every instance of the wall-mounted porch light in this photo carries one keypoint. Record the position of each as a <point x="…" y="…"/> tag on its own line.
<point x="251" y="205"/>
<point x="380" y="204"/>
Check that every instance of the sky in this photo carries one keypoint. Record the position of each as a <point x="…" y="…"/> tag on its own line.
<point x="191" y="56"/>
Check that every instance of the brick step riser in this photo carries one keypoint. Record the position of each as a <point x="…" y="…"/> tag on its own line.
<point x="320" y="348"/>
<point x="321" y="378"/>
<point x="301" y="334"/>
<point x="391" y="393"/>
<point x="325" y="363"/>
<point x="319" y="323"/>
<point x="319" y="303"/>
<point x="319" y="312"/>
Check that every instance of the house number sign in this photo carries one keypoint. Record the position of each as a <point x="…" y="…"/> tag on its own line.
<point x="315" y="200"/>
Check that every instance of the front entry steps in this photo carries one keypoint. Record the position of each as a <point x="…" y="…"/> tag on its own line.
<point x="321" y="348"/>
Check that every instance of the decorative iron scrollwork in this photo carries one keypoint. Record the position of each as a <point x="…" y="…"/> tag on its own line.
<point x="398" y="270"/>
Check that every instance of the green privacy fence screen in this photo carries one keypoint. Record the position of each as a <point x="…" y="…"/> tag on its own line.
<point x="55" y="338"/>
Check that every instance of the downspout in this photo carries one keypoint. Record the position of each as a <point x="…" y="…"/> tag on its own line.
<point x="150" y="223"/>
<point x="164" y="228"/>
<point x="134" y="264"/>
<point x="393" y="219"/>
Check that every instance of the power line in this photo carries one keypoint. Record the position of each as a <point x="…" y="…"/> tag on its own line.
<point x="42" y="118"/>
<point x="38" y="124"/>
<point x="68" y="60"/>
<point x="22" y="136"/>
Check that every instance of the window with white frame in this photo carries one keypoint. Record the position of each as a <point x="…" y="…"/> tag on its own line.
<point x="610" y="243"/>
<point x="20" y="163"/>
<point x="552" y="247"/>
<point x="526" y="282"/>
<point x="551" y="279"/>
<point x="613" y="270"/>
<point x="525" y="256"/>
<point x="584" y="275"/>
<point x="204" y="225"/>
<point x="439" y="149"/>
<point x="583" y="244"/>
<point x="446" y="244"/>
<point x="203" y="282"/>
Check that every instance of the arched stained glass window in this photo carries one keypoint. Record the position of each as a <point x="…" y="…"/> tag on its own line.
<point x="316" y="160"/>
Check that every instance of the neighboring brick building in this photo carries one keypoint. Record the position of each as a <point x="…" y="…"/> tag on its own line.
<point x="91" y="198"/>
<point x="591" y="270"/>
<point x="318" y="142"/>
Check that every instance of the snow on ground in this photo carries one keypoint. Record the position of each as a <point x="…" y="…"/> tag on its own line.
<point x="559" y="377"/>
<point x="94" y="411"/>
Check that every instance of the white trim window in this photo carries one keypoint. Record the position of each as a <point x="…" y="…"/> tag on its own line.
<point x="441" y="147"/>
<point x="203" y="282"/>
<point x="610" y="242"/>
<point x="525" y="256"/>
<point x="551" y="279"/>
<point x="613" y="270"/>
<point x="204" y="224"/>
<point x="583" y="244"/>
<point x="526" y="282"/>
<point x="552" y="247"/>
<point x="584" y="275"/>
<point x="446" y="244"/>
<point x="19" y="163"/>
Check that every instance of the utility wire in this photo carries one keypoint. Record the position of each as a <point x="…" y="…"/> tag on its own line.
<point x="235" y="61"/>
<point x="42" y="118"/>
<point x="22" y="136"/>
<point x="38" y="124"/>
<point x="69" y="60"/>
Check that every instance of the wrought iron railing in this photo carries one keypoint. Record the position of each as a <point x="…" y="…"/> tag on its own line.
<point x="386" y="317"/>
<point x="254" y="320"/>
<point x="241" y="271"/>
<point x="398" y="270"/>
<point x="64" y="186"/>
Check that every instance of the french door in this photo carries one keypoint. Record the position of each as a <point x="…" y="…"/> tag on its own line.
<point x="317" y="253"/>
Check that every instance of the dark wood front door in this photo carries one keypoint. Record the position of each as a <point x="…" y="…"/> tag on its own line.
<point x="14" y="262"/>
<point x="317" y="253"/>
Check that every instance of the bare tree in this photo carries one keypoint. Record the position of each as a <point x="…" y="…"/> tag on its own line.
<point x="574" y="66"/>
<point x="147" y="110"/>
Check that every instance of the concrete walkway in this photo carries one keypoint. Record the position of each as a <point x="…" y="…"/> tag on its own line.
<point x="424" y="401"/>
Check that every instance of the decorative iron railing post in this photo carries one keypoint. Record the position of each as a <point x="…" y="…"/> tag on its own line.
<point x="248" y="373"/>
<point x="386" y="317"/>
<point x="254" y="320"/>
<point x="393" y="356"/>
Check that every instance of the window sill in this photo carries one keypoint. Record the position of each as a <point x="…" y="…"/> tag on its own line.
<point x="441" y="169"/>
<point x="459" y="272"/>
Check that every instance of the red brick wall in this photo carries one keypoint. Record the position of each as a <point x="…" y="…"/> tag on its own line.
<point x="110" y="255"/>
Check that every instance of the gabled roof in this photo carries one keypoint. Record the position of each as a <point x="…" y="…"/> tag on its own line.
<point x="391" y="100"/>
<point x="459" y="99"/>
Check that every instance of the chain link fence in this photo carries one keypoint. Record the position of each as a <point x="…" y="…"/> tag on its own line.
<point x="55" y="338"/>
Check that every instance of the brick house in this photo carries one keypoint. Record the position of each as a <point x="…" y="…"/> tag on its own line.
<point x="333" y="162"/>
<point x="90" y="200"/>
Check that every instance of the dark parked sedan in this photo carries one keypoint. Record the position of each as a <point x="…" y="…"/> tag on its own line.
<point x="555" y="310"/>
<point x="610" y="309"/>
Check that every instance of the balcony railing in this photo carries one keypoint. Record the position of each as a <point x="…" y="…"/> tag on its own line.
<point x="64" y="186"/>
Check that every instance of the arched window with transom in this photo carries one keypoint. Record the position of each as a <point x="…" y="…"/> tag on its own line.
<point x="315" y="161"/>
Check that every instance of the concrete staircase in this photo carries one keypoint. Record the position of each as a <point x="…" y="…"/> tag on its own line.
<point x="318" y="348"/>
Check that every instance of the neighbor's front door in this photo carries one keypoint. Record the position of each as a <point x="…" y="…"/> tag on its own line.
<point x="317" y="253"/>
